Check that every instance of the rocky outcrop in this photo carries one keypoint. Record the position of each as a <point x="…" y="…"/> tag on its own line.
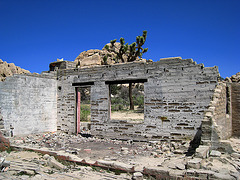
<point x="8" y="69"/>
<point x="234" y="78"/>
<point x="90" y="58"/>
<point x="95" y="57"/>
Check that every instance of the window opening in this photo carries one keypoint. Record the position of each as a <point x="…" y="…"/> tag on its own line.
<point x="127" y="102"/>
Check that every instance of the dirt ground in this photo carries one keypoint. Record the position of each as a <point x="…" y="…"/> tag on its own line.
<point x="127" y="115"/>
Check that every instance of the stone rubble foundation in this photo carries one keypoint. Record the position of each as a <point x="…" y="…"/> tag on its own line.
<point x="129" y="160"/>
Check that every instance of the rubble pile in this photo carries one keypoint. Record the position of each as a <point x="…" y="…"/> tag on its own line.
<point x="31" y="165"/>
<point x="141" y="159"/>
<point x="77" y="145"/>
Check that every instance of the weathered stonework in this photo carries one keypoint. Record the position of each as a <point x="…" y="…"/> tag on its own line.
<point x="176" y="94"/>
<point x="28" y="104"/>
<point x="221" y="119"/>
<point x="217" y="124"/>
<point x="236" y="109"/>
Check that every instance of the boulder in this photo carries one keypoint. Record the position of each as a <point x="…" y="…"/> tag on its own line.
<point x="10" y="69"/>
<point x="89" y="58"/>
<point x="95" y="57"/>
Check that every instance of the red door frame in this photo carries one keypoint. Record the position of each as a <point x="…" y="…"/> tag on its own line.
<point x="78" y="110"/>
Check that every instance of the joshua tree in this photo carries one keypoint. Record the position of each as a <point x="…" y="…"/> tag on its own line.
<point x="128" y="53"/>
<point x="132" y="51"/>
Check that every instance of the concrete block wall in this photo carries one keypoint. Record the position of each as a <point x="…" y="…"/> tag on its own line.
<point x="177" y="92"/>
<point x="28" y="104"/>
<point x="236" y="109"/>
<point x="66" y="104"/>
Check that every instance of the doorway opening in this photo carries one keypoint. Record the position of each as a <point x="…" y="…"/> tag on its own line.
<point x="83" y="109"/>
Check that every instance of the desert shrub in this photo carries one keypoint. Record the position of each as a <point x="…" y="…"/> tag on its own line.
<point x="85" y="95"/>
<point x="85" y="112"/>
<point x="117" y="107"/>
<point x="139" y="100"/>
<point x="120" y="99"/>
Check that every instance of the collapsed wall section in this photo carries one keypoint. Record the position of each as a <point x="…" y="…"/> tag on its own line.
<point x="28" y="104"/>
<point x="217" y="121"/>
<point x="176" y="93"/>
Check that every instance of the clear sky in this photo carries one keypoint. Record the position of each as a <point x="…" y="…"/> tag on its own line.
<point x="34" y="33"/>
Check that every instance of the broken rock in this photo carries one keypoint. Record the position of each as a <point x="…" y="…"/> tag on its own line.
<point x="137" y="176"/>
<point x="52" y="162"/>
<point x="116" y="165"/>
<point x="215" y="153"/>
<point x="202" y="152"/>
<point x="194" y="163"/>
<point x="160" y="172"/>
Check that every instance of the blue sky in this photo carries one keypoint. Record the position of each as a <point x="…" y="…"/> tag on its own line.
<point x="34" y="33"/>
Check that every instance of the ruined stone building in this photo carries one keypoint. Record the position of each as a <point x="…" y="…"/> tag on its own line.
<point x="179" y="97"/>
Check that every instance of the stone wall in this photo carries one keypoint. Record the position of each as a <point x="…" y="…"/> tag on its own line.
<point x="28" y="104"/>
<point x="176" y="94"/>
<point x="217" y="122"/>
<point x="66" y="104"/>
<point x="236" y="109"/>
<point x="61" y="65"/>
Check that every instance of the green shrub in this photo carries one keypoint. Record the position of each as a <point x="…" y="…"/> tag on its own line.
<point x="85" y="112"/>
<point x="117" y="107"/>
<point x="140" y="101"/>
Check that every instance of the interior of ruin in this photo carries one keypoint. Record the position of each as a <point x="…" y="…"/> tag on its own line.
<point x="177" y="107"/>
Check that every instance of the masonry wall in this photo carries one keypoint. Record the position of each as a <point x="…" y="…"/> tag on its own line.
<point x="236" y="109"/>
<point x="176" y="94"/>
<point x="28" y="103"/>
<point x="217" y="121"/>
<point x="222" y="114"/>
<point x="66" y="104"/>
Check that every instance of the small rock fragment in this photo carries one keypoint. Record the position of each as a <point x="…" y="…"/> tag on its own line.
<point x="53" y="163"/>
<point x="215" y="153"/>
<point x="46" y="156"/>
<point x="194" y="163"/>
<point x="202" y="152"/>
<point x="137" y="176"/>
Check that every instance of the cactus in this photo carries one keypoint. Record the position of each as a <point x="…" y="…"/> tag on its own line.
<point x="132" y="51"/>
